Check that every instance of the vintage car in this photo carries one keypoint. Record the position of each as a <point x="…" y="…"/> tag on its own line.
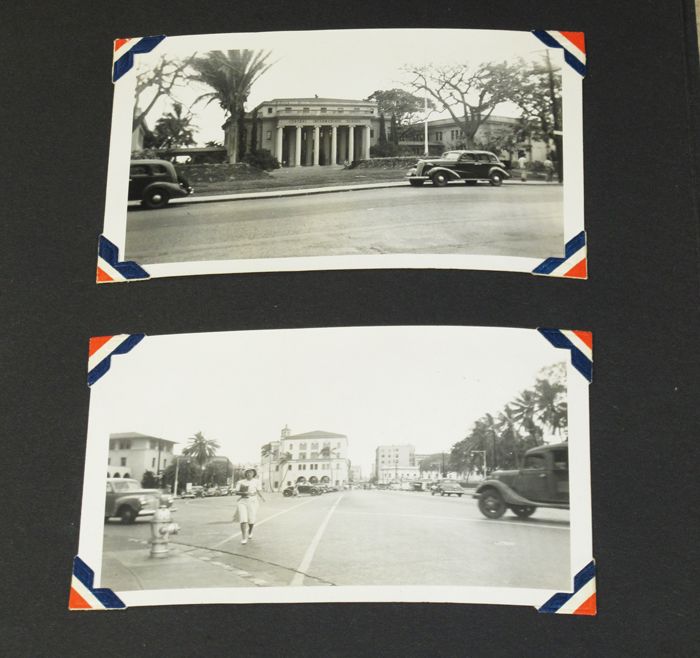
<point x="469" y="166"/>
<point x="302" y="489"/>
<point x="447" y="488"/>
<point x="127" y="500"/>
<point x="155" y="182"/>
<point x="542" y="481"/>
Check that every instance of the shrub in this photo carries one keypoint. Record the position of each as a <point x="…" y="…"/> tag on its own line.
<point x="261" y="159"/>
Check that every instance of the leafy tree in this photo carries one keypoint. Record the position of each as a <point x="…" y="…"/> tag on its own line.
<point x="187" y="471"/>
<point x="230" y="75"/>
<point x="156" y="82"/>
<point x="200" y="448"/>
<point x="540" y="99"/>
<point x="469" y="95"/>
<point x="217" y="472"/>
<point x="174" y="129"/>
<point x="149" y="480"/>
<point x="551" y="405"/>
<point x="402" y="107"/>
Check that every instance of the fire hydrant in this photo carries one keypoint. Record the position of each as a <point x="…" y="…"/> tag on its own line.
<point x="162" y="526"/>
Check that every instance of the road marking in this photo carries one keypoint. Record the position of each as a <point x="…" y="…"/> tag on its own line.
<point x="259" y="523"/>
<point x="513" y="524"/>
<point x="298" y="578"/>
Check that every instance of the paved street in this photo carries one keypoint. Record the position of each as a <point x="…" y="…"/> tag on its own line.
<point x="349" y="538"/>
<point x="513" y="220"/>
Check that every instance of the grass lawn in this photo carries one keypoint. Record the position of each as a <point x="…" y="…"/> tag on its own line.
<point x="295" y="178"/>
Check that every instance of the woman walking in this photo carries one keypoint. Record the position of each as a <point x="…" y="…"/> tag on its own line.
<point x="249" y="491"/>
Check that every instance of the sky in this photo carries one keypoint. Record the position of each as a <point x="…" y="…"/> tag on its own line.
<point x="378" y="385"/>
<point x="339" y="63"/>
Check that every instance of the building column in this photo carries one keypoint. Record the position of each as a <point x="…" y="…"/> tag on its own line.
<point x="308" y="156"/>
<point x="366" y="142"/>
<point x="297" y="148"/>
<point x="334" y="145"/>
<point x="317" y="144"/>
<point x="351" y="143"/>
<point x="278" y="144"/>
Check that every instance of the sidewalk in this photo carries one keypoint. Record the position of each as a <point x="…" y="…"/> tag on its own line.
<point x="185" y="567"/>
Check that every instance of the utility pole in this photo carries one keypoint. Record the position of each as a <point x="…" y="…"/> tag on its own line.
<point x="425" y="122"/>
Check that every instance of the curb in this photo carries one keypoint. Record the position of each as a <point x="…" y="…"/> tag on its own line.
<point x="308" y="191"/>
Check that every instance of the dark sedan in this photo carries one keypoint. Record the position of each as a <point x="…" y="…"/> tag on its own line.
<point x="469" y="166"/>
<point x="155" y="182"/>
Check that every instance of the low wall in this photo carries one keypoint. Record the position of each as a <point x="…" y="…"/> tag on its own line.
<point x="399" y="162"/>
<point x="218" y="173"/>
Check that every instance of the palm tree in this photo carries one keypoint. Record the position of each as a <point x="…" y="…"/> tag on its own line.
<point x="284" y="460"/>
<point x="200" y="448"/>
<point x="231" y="75"/>
<point x="551" y="405"/>
<point x="174" y="129"/>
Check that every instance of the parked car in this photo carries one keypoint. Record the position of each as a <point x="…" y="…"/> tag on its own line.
<point x="302" y="489"/>
<point x="155" y="182"/>
<point x="542" y="481"/>
<point x="128" y="500"/>
<point x="469" y="166"/>
<point x="448" y="488"/>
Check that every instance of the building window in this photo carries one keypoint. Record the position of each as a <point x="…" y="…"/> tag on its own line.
<point x="302" y="446"/>
<point x="306" y="110"/>
<point x="371" y="132"/>
<point x="314" y="455"/>
<point x="302" y="455"/>
<point x="287" y="109"/>
<point x="126" y="445"/>
<point x="324" y="110"/>
<point x="269" y="110"/>
<point x="109" y="462"/>
<point x="276" y="484"/>
<point x="268" y="135"/>
<point x="324" y="467"/>
<point x="122" y="461"/>
<point x="277" y="467"/>
<point x="153" y="462"/>
<point x="314" y="446"/>
<point x="340" y="110"/>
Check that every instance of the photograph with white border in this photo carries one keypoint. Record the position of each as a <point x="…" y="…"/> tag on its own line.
<point x="401" y="463"/>
<point x="345" y="149"/>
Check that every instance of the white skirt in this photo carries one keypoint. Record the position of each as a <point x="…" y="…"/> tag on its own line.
<point x="248" y="509"/>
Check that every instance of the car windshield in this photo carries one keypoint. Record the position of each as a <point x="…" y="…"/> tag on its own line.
<point x="451" y="155"/>
<point x="126" y="485"/>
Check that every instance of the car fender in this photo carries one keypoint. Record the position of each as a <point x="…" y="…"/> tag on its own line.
<point x="173" y="188"/>
<point x="498" y="170"/>
<point x="450" y="172"/>
<point x="510" y="496"/>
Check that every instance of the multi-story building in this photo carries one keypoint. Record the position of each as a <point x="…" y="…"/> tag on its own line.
<point x="315" y="457"/>
<point x="395" y="463"/>
<point x="132" y="454"/>
<point x="356" y="473"/>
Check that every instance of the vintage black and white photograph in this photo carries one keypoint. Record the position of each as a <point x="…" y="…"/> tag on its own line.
<point x="392" y="463"/>
<point x="349" y="148"/>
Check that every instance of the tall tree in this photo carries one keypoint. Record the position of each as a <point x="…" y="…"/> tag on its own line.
<point x="156" y="82"/>
<point x="401" y="106"/>
<point x="540" y="99"/>
<point x="230" y="75"/>
<point x="284" y="460"/>
<point x="200" y="448"/>
<point x="469" y="95"/>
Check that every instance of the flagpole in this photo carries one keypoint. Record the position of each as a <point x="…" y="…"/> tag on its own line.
<point x="425" y="120"/>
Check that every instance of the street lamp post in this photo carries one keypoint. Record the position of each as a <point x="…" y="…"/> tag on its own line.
<point x="177" y="472"/>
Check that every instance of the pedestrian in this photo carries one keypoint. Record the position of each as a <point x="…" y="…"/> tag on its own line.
<point x="549" y="169"/>
<point x="522" y="163"/>
<point x="249" y="491"/>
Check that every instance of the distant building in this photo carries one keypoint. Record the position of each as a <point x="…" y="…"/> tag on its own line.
<point x="132" y="454"/>
<point x="356" y="473"/>
<point x="315" y="457"/>
<point x="395" y="463"/>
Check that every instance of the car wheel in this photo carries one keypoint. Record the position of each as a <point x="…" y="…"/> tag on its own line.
<point x="439" y="179"/>
<point x="416" y="183"/>
<point x="470" y="182"/>
<point x="459" y="495"/>
<point x="496" y="179"/>
<point x="442" y="493"/>
<point x="432" y="493"/>
<point x="156" y="199"/>
<point x="127" y="514"/>
<point x="286" y="493"/>
<point x="523" y="511"/>
<point x="491" y="504"/>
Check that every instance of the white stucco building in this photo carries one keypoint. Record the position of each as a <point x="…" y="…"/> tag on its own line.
<point x="131" y="454"/>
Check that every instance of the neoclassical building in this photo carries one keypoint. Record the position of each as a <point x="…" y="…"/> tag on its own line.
<point x="314" y="131"/>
